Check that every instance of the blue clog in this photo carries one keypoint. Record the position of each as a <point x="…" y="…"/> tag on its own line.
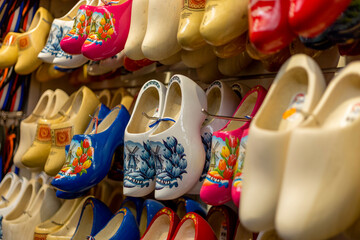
<point x="100" y="113"/>
<point x="94" y="215"/>
<point x="125" y="225"/>
<point x="69" y="195"/>
<point x="135" y="205"/>
<point x="90" y="155"/>
<point x="150" y="208"/>
<point x="186" y="205"/>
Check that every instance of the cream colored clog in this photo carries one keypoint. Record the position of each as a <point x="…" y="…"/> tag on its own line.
<point x="8" y="184"/>
<point x="42" y="208"/>
<point x="105" y="97"/>
<point x="224" y="20"/>
<point x="8" y="203"/>
<point x="138" y="25"/>
<point x="232" y="48"/>
<point x="293" y="95"/>
<point x="172" y="59"/>
<point x="57" y="220"/>
<point x="123" y="97"/>
<point x="188" y="35"/>
<point x="67" y="230"/>
<point x="198" y="58"/>
<point x="48" y="104"/>
<point x="209" y="72"/>
<point x="234" y="65"/>
<point x="160" y="40"/>
<point x="319" y="195"/>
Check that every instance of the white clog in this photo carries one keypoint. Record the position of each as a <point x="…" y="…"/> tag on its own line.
<point x="49" y="104"/>
<point x="138" y="25"/>
<point x="319" y="195"/>
<point x="42" y="208"/>
<point x="160" y="40"/>
<point x="294" y="93"/>
<point x="7" y="204"/>
<point x="139" y="163"/>
<point x="221" y="100"/>
<point x="176" y="143"/>
<point x="8" y="184"/>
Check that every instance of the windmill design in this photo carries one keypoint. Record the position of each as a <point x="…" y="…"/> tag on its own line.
<point x="94" y="23"/>
<point x="157" y="157"/>
<point x="69" y="155"/>
<point x="132" y="159"/>
<point x="214" y="158"/>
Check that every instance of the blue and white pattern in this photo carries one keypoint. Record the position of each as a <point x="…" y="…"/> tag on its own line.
<point x="206" y="139"/>
<point x="170" y="162"/>
<point x="53" y="42"/>
<point x="139" y="165"/>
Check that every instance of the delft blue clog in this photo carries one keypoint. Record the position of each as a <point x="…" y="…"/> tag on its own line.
<point x="186" y="205"/>
<point x="90" y="155"/>
<point x="135" y="205"/>
<point x="94" y="215"/>
<point x="126" y="225"/>
<point x="150" y="208"/>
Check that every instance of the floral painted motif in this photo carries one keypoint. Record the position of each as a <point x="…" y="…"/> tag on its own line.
<point x="190" y="216"/>
<point x="43" y="133"/>
<point x="62" y="137"/>
<point x="222" y="161"/>
<point x="139" y="164"/>
<point x="102" y="28"/>
<point x="170" y="162"/>
<point x="81" y="24"/>
<point x="79" y="158"/>
<point x="206" y="140"/>
<point x="237" y="182"/>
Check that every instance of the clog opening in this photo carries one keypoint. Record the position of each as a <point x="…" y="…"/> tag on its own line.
<point x="65" y="108"/>
<point x="172" y="107"/>
<point x="52" y="106"/>
<point x="181" y="210"/>
<point x="218" y="223"/>
<point x="343" y="107"/>
<point x="38" y="202"/>
<point x="288" y="97"/>
<point x="246" y="109"/>
<point x="131" y="206"/>
<point x="108" y="121"/>
<point x="159" y="229"/>
<point x="4" y="188"/>
<point x="187" y="231"/>
<point x="77" y="103"/>
<point x="39" y="110"/>
<point x="13" y="195"/>
<point x="214" y="101"/>
<point x="111" y="227"/>
<point x="237" y="90"/>
<point x="104" y="98"/>
<point x="22" y="204"/>
<point x="36" y="20"/>
<point x="92" y="121"/>
<point x="143" y="221"/>
<point x="60" y="216"/>
<point x="85" y="224"/>
<point x="148" y="103"/>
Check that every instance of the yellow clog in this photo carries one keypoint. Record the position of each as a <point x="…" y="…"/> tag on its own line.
<point x="9" y="50"/>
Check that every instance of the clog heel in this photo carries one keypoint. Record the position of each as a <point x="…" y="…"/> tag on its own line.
<point x="139" y="175"/>
<point x="32" y="42"/>
<point x="294" y="93"/>
<point x="325" y="186"/>
<point x="178" y="162"/>
<point x="216" y="189"/>
<point x="89" y="158"/>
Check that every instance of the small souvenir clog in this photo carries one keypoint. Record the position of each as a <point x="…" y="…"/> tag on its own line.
<point x="139" y="163"/>
<point x="135" y="205"/>
<point x="150" y="208"/>
<point x="237" y="176"/>
<point x="309" y="18"/>
<point x="42" y="208"/>
<point x="223" y="21"/>
<point x="94" y="216"/>
<point x="293" y="95"/>
<point x="90" y="155"/>
<point x="188" y="34"/>
<point x="162" y="226"/>
<point x="138" y="25"/>
<point x="108" y="31"/>
<point x="68" y="228"/>
<point x="121" y="226"/>
<point x="194" y="227"/>
<point x="57" y="221"/>
<point x="48" y="104"/>
<point x="216" y="189"/>
<point x="160" y="40"/>
<point x="179" y="162"/>
<point x="222" y="219"/>
<point x="186" y="205"/>
<point x="308" y="173"/>
<point x="221" y="101"/>
<point x="268" y="33"/>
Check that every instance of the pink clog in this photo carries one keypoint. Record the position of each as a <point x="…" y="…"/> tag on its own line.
<point x="216" y="189"/>
<point x="109" y="29"/>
